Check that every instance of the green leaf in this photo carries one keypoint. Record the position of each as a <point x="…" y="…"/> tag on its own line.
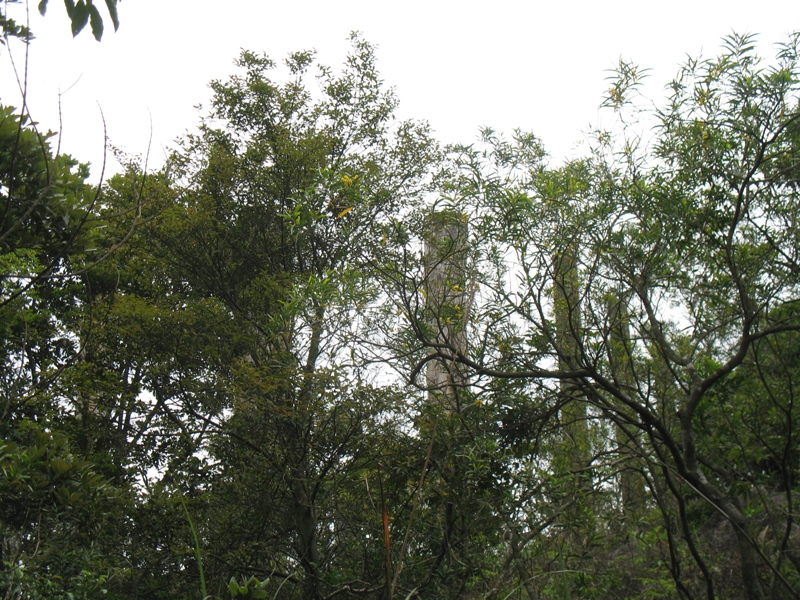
<point x="97" y="22"/>
<point x="233" y="587"/>
<point x="79" y="16"/>
<point x="112" y="11"/>
<point x="42" y="7"/>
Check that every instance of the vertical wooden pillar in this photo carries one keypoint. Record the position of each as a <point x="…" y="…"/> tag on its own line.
<point x="446" y="297"/>
<point x="631" y="482"/>
<point x="568" y="338"/>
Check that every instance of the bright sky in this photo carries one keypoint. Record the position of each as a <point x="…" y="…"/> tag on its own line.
<point x="538" y="66"/>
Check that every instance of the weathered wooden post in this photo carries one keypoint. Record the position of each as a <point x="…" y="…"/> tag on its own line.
<point x="446" y="298"/>
<point x="627" y="437"/>
<point x="568" y="340"/>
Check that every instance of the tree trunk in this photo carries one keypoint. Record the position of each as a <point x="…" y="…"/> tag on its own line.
<point x="305" y="522"/>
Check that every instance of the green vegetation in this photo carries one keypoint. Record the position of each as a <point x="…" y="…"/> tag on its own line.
<point x="80" y="13"/>
<point x="318" y="356"/>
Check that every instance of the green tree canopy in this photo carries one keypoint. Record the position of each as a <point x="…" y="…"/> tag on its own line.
<point x="642" y="283"/>
<point x="317" y="356"/>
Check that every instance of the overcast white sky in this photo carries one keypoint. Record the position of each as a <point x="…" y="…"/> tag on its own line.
<point x="538" y="66"/>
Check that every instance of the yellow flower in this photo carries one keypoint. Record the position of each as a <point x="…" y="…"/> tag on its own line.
<point x="347" y="180"/>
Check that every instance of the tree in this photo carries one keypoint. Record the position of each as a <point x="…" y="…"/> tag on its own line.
<point x="682" y="275"/>
<point x="266" y="217"/>
<point x="49" y="490"/>
<point x="54" y="496"/>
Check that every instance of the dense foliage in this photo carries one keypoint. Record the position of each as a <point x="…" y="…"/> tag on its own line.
<point x="317" y="356"/>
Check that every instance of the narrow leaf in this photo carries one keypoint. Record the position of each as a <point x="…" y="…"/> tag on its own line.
<point x="344" y="212"/>
<point x="97" y="22"/>
<point x="112" y="10"/>
<point x="79" y="16"/>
